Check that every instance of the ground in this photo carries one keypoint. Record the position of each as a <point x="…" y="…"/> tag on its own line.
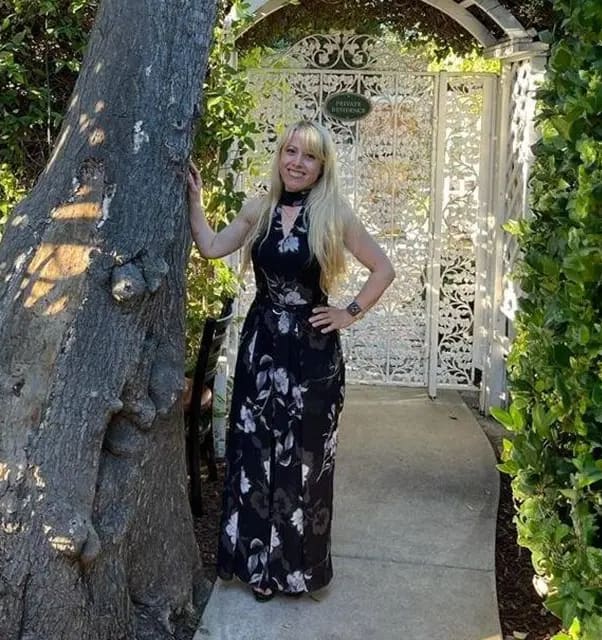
<point x="522" y="614"/>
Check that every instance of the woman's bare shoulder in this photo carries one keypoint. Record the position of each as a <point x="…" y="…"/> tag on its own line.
<point x="252" y="208"/>
<point x="350" y="219"/>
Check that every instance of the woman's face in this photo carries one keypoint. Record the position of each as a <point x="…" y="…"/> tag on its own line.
<point x="299" y="169"/>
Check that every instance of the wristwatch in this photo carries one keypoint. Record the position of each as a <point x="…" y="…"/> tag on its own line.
<point x="354" y="309"/>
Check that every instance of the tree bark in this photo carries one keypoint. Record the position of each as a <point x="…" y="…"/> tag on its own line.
<point x="96" y="537"/>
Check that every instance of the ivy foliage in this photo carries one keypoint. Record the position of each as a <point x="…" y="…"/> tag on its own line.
<point x="555" y="365"/>
<point x="222" y="141"/>
<point x="41" y="47"/>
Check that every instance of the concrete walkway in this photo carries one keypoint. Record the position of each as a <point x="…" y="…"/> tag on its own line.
<point x="416" y="495"/>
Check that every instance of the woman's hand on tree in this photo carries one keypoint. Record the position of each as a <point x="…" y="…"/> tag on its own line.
<point x="329" y="319"/>
<point x="195" y="183"/>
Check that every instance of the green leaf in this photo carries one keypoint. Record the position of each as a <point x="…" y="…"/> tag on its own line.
<point x="583" y="334"/>
<point x="546" y="36"/>
<point x="561" y="355"/>
<point x="562" y="58"/>
<point x="542" y="420"/>
<point x="513" y="227"/>
<point x="571" y="494"/>
<point x="575" y="628"/>
<point x="577" y="128"/>
<point x="596" y="394"/>
<point x="561" y="532"/>
<point x="503" y="417"/>
<point x="510" y="467"/>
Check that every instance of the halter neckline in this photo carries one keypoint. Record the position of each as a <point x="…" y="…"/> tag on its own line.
<point x="293" y="198"/>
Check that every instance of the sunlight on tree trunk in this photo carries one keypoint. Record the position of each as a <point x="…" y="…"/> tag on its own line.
<point x="96" y="537"/>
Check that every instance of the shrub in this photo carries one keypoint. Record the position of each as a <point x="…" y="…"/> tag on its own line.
<point x="555" y="365"/>
<point x="41" y="46"/>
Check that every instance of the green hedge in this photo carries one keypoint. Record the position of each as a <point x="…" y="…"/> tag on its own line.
<point x="555" y="365"/>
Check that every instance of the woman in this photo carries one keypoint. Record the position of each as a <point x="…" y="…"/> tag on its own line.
<point x="289" y="378"/>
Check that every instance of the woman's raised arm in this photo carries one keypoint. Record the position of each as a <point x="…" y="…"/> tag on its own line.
<point x="365" y="250"/>
<point x="231" y="237"/>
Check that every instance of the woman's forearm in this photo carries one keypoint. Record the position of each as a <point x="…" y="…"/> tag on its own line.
<point x="202" y="234"/>
<point x="218" y="244"/>
<point x="374" y="287"/>
<point x="330" y="318"/>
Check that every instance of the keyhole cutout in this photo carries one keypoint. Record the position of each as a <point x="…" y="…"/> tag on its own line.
<point x="288" y="218"/>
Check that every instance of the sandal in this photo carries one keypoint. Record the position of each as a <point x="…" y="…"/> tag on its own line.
<point x="263" y="596"/>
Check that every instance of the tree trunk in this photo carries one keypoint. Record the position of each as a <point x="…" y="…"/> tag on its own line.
<point x="96" y="537"/>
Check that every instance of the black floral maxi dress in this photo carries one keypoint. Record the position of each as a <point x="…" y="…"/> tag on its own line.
<point x="287" y="395"/>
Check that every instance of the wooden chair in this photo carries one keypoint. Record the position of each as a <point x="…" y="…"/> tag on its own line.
<point x="198" y="402"/>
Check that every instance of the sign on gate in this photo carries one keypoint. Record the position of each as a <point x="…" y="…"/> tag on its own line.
<point x="347" y="106"/>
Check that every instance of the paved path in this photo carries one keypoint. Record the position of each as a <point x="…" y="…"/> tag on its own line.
<point x="416" y="494"/>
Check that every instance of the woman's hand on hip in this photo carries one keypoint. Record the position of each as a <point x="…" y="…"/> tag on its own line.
<point x="329" y="319"/>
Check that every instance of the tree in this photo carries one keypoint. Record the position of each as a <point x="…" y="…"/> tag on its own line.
<point x="96" y="537"/>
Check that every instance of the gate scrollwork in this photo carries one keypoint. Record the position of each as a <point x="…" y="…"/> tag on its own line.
<point x="390" y="162"/>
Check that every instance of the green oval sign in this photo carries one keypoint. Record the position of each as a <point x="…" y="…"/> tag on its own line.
<point x="347" y="106"/>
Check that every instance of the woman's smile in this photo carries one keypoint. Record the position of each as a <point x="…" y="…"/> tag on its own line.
<point x="299" y="169"/>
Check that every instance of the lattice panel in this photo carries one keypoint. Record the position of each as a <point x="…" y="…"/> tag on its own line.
<point x="519" y="158"/>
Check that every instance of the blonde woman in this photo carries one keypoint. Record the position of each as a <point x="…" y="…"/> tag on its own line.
<point x="289" y="377"/>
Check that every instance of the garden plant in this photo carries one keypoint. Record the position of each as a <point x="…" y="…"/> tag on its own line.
<point x="555" y="365"/>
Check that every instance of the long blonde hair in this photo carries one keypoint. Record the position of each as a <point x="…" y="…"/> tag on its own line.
<point x="328" y="211"/>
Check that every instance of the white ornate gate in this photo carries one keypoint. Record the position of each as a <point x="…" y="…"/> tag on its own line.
<point x="417" y="170"/>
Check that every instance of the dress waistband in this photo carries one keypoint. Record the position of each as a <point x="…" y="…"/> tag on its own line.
<point x="304" y="307"/>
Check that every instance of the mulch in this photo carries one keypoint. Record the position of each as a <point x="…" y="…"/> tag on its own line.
<point x="522" y="614"/>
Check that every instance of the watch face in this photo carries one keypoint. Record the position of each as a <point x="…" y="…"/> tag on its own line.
<point x="354" y="308"/>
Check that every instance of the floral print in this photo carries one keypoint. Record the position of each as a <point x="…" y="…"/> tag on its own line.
<point x="247" y="421"/>
<point x="297" y="520"/>
<point x="232" y="528"/>
<point x="290" y="243"/>
<point x="287" y="395"/>
<point x="245" y="485"/>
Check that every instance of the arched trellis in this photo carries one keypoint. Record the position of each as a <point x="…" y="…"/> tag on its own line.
<point x="457" y="10"/>
<point x="513" y="135"/>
